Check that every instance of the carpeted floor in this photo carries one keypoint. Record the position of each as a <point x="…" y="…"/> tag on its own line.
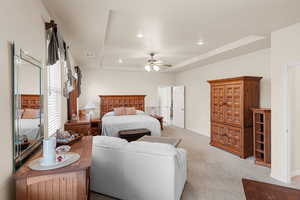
<point x="213" y="174"/>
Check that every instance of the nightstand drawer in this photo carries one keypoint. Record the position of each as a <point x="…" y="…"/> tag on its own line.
<point x="78" y="127"/>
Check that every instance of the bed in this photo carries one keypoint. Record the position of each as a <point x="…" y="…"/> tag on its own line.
<point x="111" y="124"/>
<point x="29" y="126"/>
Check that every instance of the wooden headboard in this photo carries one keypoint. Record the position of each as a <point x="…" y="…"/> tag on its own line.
<point x="32" y="101"/>
<point x="109" y="102"/>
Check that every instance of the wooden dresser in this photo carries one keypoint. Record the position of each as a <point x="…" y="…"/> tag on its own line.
<point x="231" y="115"/>
<point x="67" y="183"/>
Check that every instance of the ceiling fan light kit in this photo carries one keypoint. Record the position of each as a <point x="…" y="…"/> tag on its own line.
<point x="156" y="68"/>
<point x="148" y="68"/>
<point x="153" y="64"/>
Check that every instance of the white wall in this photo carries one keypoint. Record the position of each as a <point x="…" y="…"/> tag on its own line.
<point x="21" y="21"/>
<point x="198" y="90"/>
<point x="100" y="82"/>
<point x="294" y="97"/>
<point x="285" y="50"/>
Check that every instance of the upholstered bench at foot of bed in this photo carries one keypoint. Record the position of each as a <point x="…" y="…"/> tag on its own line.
<point x="134" y="134"/>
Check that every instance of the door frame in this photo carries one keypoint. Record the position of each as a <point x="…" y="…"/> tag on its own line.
<point x="184" y="122"/>
<point x="287" y="125"/>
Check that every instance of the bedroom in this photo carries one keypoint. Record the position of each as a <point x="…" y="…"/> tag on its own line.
<point x="111" y="42"/>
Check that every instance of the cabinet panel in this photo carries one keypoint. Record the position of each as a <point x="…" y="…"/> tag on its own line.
<point x="233" y="104"/>
<point x="217" y="103"/>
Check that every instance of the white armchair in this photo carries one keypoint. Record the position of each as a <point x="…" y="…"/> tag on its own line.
<point x="137" y="170"/>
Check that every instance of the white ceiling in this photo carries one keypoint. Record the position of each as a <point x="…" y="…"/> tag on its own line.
<point x="108" y="29"/>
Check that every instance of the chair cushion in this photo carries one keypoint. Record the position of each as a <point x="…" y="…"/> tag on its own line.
<point x="109" y="142"/>
<point x="151" y="148"/>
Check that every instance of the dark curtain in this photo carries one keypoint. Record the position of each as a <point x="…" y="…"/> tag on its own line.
<point x="79" y="76"/>
<point x="53" y="47"/>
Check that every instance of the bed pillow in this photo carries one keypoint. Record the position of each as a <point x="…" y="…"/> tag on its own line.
<point x="140" y="112"/>
<point x="31" y="113"/>
<point x="130" y="111"/>
<point x="109" y="114"/>
<point x="119" y="111"/>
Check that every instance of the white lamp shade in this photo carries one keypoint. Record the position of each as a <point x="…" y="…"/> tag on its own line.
<point x="156" y="68"/>
<point x="148" y="68"/>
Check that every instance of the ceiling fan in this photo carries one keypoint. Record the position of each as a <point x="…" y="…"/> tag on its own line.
<point x="153" y="64"/>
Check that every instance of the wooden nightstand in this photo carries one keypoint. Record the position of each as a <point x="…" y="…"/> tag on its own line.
<point x="96" y="127"/>
<point x="84" y="127"/>
<point x="160" y="119"/>
<point x="80" y="127"/>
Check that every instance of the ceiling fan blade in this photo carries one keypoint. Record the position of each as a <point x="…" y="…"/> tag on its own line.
<point x="164" y="65"/>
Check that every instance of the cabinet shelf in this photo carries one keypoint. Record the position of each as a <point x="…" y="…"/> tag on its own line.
<point x="262" y="136"/>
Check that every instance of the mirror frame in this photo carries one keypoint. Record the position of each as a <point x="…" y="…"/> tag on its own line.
<point x="18" y="160"/>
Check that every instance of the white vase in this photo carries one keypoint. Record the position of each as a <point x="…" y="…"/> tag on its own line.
<point x="49" y="154"/>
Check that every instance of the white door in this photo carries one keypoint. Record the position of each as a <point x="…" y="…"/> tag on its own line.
<point x="165" y="100"/>
<point x="178" y="106"/>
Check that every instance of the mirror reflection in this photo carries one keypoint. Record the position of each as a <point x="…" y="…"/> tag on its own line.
<point x="27" y="108"/>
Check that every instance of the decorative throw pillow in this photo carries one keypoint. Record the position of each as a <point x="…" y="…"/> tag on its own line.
<point x="31" y="113"/>
<point x="119" y="111"/>
<point x="130" y="111"/>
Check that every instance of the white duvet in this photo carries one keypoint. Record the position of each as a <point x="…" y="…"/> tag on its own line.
<point x="111" y="125"/>
<point x="30" y="128"/>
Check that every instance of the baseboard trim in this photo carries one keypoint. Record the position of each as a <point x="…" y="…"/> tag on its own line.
<point x="280" y="178"/>
<point x="199" y="132"/>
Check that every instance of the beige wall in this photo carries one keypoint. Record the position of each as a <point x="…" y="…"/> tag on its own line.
<point x="97" y="81"/>
<point x="198" y="90"/>
<point x="285" y="50"/>
<point x="22" y="22"/>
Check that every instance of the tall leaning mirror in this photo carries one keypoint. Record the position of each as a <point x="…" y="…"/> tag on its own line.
<point x="27" y="105"/>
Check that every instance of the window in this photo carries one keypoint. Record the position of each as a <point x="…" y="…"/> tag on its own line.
<point x="54" y="98"/>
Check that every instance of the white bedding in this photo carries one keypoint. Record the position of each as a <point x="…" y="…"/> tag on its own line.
<point x="30" y="128"/>
<point x="111" y="125"/>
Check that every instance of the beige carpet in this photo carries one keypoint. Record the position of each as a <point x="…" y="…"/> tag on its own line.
<point x="213" y="174"/>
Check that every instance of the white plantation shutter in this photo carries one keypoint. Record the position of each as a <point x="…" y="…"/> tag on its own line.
<point x="54" y="98"/>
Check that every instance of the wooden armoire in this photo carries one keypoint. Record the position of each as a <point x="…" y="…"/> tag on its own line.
<point x="231" y="115"/>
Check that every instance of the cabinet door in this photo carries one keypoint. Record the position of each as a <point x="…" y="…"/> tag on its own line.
<point x="217" y="103"/>
<point x="233" y="104"/>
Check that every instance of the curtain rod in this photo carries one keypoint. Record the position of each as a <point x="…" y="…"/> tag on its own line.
<point x="50" y="25"/>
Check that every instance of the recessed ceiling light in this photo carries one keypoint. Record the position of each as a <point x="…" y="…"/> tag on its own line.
<point x="90" y="54"/>
<point x="139" y="35"/>
<point x="120" y="61"/>
<point x="200" y="42"/>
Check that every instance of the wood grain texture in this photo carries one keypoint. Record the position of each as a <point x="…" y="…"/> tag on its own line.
<point x="231" y="116"/>
<point x="67" y="183"/>
<point x="31" y="101"/>
<point x="109" y="102"/>
<point x="255" y="190"/>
